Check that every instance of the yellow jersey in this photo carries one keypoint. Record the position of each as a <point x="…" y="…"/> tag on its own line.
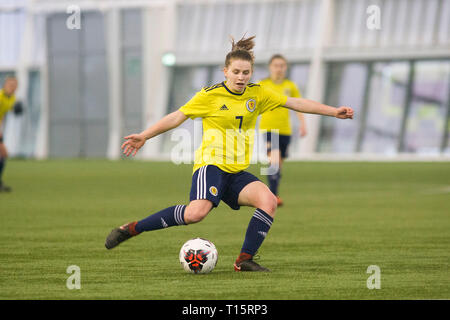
<point x="6" y="103"/>
<point x="278" y="118"/>
<point x="229" y="121"/>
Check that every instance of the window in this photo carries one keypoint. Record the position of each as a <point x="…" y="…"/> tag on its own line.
<point x="399" y="107"/>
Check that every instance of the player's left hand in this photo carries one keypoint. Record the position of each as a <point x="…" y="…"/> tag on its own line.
<point x="344" y="113"/>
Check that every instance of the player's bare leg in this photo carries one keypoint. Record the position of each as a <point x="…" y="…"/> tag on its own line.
<point x="197" y="210"/>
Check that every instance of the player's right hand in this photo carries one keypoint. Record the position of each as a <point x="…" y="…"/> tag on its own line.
<point x="133" y="144"/>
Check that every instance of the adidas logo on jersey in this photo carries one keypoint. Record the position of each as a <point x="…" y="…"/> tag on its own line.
<point x="224" y="107"/>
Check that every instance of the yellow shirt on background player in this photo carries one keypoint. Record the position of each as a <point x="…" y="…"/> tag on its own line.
<point x="6" y="104"/>
<point x="278" y="118"/>
<point x="229" y="121"/>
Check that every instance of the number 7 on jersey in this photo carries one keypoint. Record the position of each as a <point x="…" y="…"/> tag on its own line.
<point x="240" y="118"/>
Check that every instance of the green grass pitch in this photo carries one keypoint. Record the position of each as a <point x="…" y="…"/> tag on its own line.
<point x="338" y="219"/>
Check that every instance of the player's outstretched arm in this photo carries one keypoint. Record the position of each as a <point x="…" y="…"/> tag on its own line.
<point x="136" y="141"/>
<point x="310" y="106"/>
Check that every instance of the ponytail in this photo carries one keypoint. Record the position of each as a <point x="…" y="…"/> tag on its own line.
<point x="241" y="50"/>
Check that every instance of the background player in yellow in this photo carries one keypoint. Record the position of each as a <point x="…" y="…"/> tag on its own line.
<point x="229" y="107"/>
<point x="279" y="119"/>
<point x="7" y="103"/>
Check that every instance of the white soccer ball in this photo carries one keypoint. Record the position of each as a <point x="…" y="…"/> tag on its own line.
<point x="198" y="256"/>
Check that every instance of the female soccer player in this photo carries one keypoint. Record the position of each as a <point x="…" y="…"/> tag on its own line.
<point x="229" y="111"/>
<point x="7" y="102"/>
<point x="278" y="119"/>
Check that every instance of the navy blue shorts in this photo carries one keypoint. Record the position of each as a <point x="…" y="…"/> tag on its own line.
<point x="213" y="184"/>
<point x="283" y="143"/>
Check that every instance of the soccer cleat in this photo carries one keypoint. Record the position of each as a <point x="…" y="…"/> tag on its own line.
<point x="279" y="201"/>
<point x="249" y="265"/>
<point x="4" y="188"/>
<point x="119" y="235"/>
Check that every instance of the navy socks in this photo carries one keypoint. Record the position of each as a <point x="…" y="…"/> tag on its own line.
<point x="257" y="231"/>
<point x="172" y="216"/>
<point x="2" y="165"/>
<point x="274" y="181"/>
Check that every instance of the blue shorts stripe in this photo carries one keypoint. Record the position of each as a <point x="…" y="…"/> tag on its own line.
<point x="201" y="183"/>
<point x="205" y="186"/>
<point x="198" y="183"/>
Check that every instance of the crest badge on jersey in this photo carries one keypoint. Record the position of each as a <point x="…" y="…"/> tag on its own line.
<point x="251" y="105"/>
<point x="213" y="191"/>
